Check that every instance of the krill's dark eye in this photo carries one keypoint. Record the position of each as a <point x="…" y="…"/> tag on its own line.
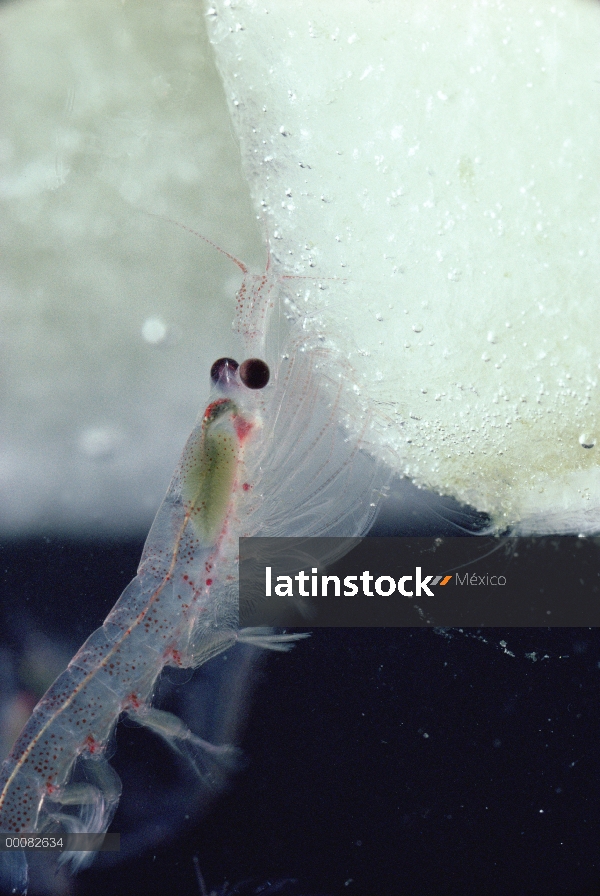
<point x="254" y="373"/>
<point x="223" y="370"/>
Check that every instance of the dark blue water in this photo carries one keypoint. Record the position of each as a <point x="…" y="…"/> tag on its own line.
<point x="378" y="762"/>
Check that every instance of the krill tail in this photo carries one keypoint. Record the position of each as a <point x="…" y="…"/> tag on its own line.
<point x="85" y="806"/>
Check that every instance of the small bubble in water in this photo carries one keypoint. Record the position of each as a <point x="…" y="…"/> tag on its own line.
<point x="98" y="441"/>
<point x="154" y="330"/>
<point x="586" y="440"/>
<point x="418" y="328"/>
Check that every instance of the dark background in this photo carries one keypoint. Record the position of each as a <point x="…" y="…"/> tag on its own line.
<point x="378" y="761"/>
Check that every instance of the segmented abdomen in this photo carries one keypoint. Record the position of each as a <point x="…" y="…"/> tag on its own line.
<point x="75" y="716"/>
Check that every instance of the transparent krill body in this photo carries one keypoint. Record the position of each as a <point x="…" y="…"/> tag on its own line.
<point x="269" y="455"/>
